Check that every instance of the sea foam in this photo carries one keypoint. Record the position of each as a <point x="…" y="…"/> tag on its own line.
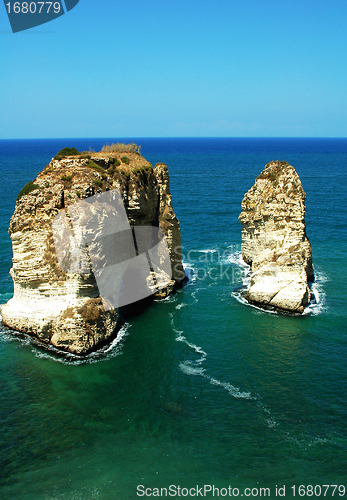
<point x="316" y="306"/>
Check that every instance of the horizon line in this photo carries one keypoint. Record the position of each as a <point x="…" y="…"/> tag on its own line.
<point x="167" y="137"/>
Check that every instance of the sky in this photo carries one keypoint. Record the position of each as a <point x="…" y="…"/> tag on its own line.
<point x="178" y="68"/>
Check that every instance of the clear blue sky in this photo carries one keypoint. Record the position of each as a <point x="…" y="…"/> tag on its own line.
<point x="175" y="68"/>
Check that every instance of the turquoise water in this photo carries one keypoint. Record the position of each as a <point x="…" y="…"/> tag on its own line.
<point x="200" y="389"/>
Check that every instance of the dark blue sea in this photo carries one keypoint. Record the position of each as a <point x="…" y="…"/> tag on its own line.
<point x="201" y="390"/>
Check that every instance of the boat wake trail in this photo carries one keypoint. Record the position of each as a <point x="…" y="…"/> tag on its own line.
<point x="195" y="367"/>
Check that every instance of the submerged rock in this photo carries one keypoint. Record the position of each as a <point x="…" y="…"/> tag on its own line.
<point x="61" y="307"/>
<point x="173" y="407"/>
<point x="274" y="240"/>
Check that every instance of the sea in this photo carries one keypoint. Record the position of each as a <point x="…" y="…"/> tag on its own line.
<point x="201" y="395"/>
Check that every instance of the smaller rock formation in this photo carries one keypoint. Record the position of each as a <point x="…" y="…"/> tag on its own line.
<point x="274" y="241"/>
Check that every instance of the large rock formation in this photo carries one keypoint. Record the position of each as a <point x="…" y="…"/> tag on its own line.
<point x="274" y="241"/>
<point x="65" y="308"/>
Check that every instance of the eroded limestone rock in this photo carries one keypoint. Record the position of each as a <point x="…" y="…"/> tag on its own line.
<point x="64" y="308"/>
<point x="274" y="240"/>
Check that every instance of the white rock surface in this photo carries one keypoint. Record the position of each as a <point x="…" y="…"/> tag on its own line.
<point x="274" y="241"/>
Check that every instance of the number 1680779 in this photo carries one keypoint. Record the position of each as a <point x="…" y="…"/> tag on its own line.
<point x="33" y="7"/>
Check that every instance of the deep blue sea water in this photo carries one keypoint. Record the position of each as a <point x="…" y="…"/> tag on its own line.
<point x="200" y="389"/>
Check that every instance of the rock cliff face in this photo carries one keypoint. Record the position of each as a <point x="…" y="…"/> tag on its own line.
<point x="65" y="308"/>
<point x="274" y="241"/>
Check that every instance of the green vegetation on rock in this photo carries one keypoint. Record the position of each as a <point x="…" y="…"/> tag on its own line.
<point x="66" y="177"/>
<point x="113" y="161"/>
<point x="92" y="164"/>
<point x="63" y="153"/>
<point x="27" y="188"/>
